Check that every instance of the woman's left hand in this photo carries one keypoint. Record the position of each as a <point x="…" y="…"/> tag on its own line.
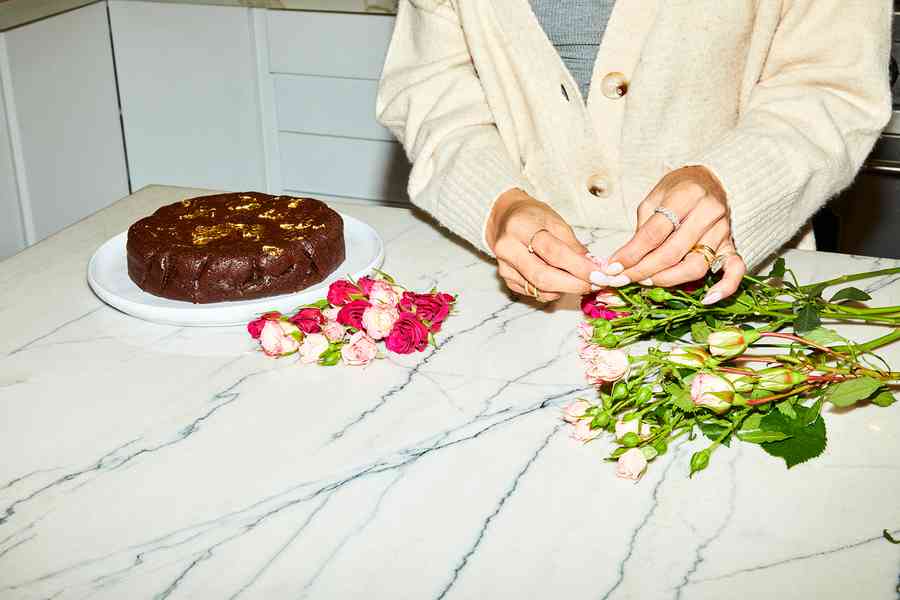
<point x="661" y="255"/>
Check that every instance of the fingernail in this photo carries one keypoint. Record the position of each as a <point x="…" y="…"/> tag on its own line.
<point x="711" y="298"/>
<point x="598" y="278"/>
<point x="619" y="281"/>
<point x="647" y="281"/>
<point x="597" y="288"/>
<point x="597" y="260"/>
<point x="614" y="269"/>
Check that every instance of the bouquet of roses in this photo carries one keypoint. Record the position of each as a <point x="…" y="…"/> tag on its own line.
<point x="733" y="382"/>
<point x="349" y="323"/>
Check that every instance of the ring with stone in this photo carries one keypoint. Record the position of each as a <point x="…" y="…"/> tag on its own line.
<point x="708" y="253"/>
<point x="720" y="259"/>
<point x="534" y="235"/>
<point x="669" y="214"/>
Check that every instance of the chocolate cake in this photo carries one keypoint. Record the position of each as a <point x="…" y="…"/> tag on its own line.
<point x="235" y="247"/>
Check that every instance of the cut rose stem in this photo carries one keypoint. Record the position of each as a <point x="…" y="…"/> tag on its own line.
<point x="849" y="278"/>
<point x="798" y="339"/>
<point x="786" y="394"/>
<point x="737" y="371"/>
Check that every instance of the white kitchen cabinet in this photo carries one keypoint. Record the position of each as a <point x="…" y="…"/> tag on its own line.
<point x="190" y="95"/>
<point x="62" y="121"/>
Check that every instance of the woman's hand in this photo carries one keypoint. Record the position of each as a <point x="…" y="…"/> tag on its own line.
<point x="558" y="264"/>
<point x="660" y="255"/>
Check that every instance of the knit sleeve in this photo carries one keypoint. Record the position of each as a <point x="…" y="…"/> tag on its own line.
<point x="810" y="122"/>
<point x="430" y="97"/>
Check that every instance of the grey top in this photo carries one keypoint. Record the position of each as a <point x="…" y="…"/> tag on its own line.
<point x="575" y="27"/>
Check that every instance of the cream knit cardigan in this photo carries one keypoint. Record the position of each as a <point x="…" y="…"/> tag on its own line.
<point x="781" y="99"/>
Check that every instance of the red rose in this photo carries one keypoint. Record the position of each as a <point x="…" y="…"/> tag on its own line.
<point x="432" y="308"/>
<point x="339" y="292"/>
<point x="408" y="335"/>
<point x="593" y="310"/>
<point x="351" y="314"/>
<point x="365" y="284"/>
<point x="255" y="327"/>
<point x="309" y="320"/>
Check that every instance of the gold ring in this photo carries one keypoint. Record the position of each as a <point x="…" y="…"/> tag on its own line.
<point x="532" y="291"/>
<point x="719" y="261"/>
<point x="708" y="253"/>
<point x="534" y="235"/>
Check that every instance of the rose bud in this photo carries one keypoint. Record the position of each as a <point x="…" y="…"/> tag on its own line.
<point x="741" y="383"/>
<point x="631" y="465"/>
<point x="378" y="320"/>
<point x="351" y="314"/>
<point x="312" y="347"/>
<point x="586" y="331"/>
<point x="279" y="338"/>
<point x="381" y="292"/>
<point x="731" y="341"/>
<point x="365" y="284"/>
<point x="625" y="427"/>
<point x="574" y="411"/>
<point x="712" y="391"/>
<point x="408" y="335"/>
<point x="359" y="350"/>
<point x="609" y="297"/>
<point x="334" y="331"/>
<point x="583" y="432"/>
<point x="779" y="379"/>
<point x="309" y="320"/>
<point x="689" y="356"/>
<point x="255" y="327"/>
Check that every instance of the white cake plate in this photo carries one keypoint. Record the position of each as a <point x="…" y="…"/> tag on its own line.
<point x="108" y="277"/>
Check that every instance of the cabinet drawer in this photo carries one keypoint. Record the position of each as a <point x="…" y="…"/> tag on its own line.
<point x="375" y="170"/>
<point x="337" y="45"/>
<point x="324" y="105"/>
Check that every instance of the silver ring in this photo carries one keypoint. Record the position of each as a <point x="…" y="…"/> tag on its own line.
<point x="670" y="215"/>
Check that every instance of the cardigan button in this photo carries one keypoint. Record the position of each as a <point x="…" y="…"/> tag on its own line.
<point x="614" y="85"/>
<point x="598" y="186"/>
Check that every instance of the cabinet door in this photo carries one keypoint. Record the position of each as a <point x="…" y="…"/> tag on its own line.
<point x="12" y="237"/>
<point x="61" y="79"/>
<point x="190" y="98"/>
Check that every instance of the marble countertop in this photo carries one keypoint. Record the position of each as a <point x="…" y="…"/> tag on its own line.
<point x="14" y="13"/>
<point x="143" y="460"/>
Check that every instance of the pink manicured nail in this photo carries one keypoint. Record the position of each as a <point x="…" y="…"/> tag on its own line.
<point x="614" y="269"/>
<point x="598" y="278"/>
<point x="711" y="298"/>
<point x="597" y="260"/>
<point x="647" y="281"/>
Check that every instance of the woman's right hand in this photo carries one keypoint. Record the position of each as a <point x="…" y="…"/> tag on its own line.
<point x="559" y="264"/>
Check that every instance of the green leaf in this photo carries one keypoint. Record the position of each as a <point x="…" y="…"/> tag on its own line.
<point x="778" y="269"/>
<point x="700" y="332"/>
<point x="750" y="432"/>
<point x="848" y="393"/>
<point x="814" y="291"/>
<point x="850" y="293"/>
<point x="649" y="452"/>
<point x="807" y="319"/>
<point x="682" y="400"/>
<point x="884" y="399"/>
<point x="714" y="430"/>
<point x="824" y="336"/>
<point x="787" y="408"/>
<point x="807" y="433"/>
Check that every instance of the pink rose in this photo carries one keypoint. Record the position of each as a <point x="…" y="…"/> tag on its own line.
<point x="595" y="310"/>
<point x="586" y="331"/>
<point x="378" y="320"/>
<point x="714" y="392"/>
<point x="604" y="366"/>
<point x="351" y="314"/>
<point x="631" y="465"/>
<point x="432" y="308"/>
<point x="575" y="410"/>
<point x="365" y="284"/>
<point x="339" y="292"/>
<point x="309" y="320"/>
<point x="408" y="335"/>
<point x="583" y="432"/>
<point x="359" y="350"/>
<point x="255" y="327"/>
<point x="381" y="292"/>
<point x="277" y="338"/>
<point x="334" y="331"/>
<point x="331" y="314"/>
<point x="312" y="347"/>
<point x="609" y="297"/>
<point x="624" y="427"/>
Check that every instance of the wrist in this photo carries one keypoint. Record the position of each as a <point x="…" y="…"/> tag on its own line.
<point x="502" y="206"/>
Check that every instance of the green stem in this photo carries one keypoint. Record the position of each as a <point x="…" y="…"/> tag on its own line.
<point x="849" y="278"/>
<point x="873" y="344"/>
